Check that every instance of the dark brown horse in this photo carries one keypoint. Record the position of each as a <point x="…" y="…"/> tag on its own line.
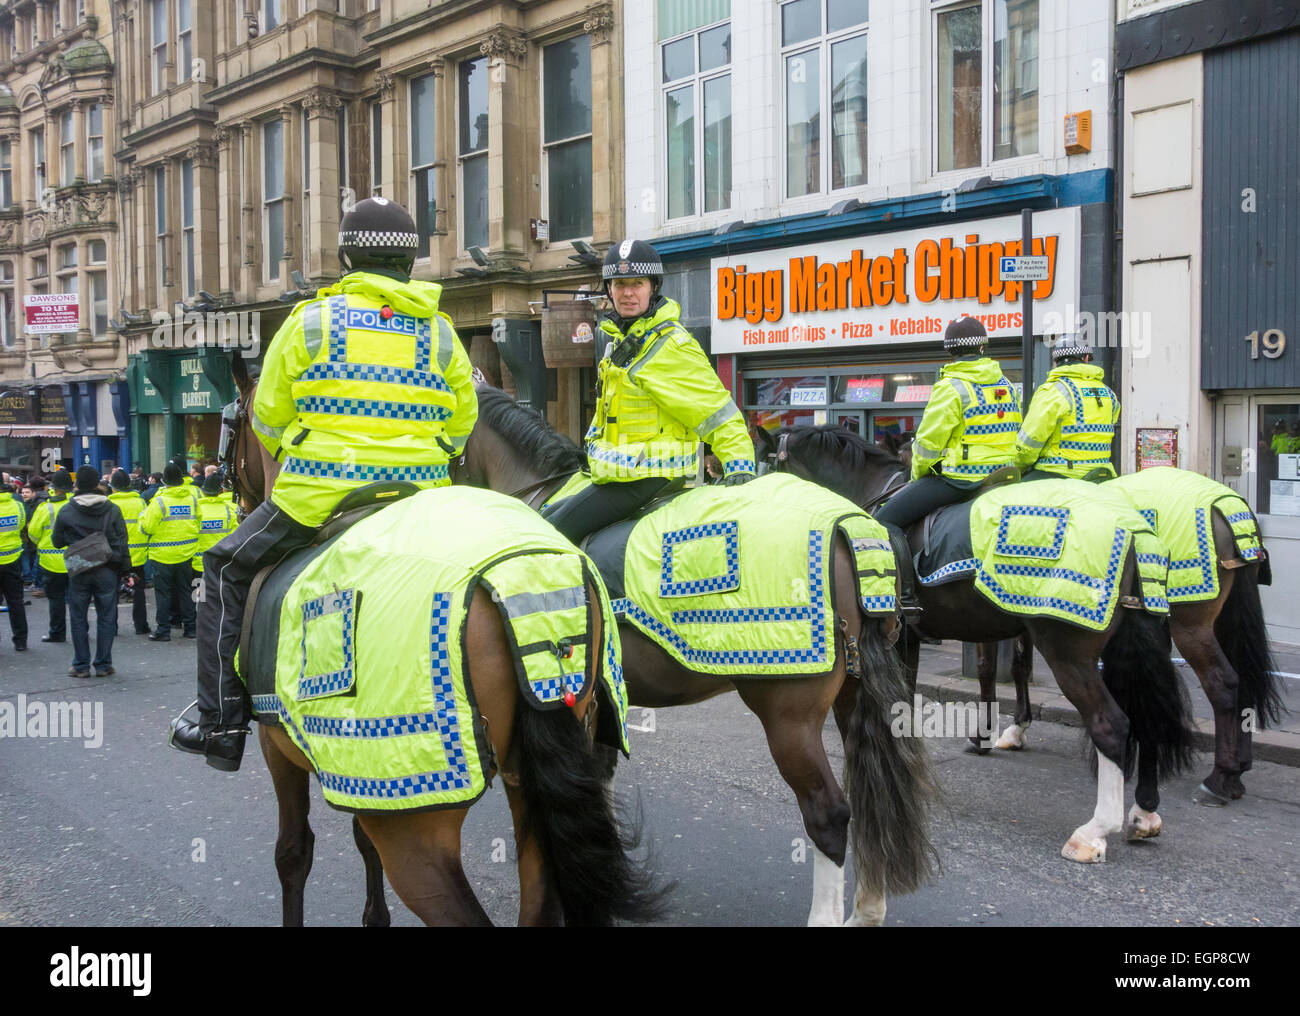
<point x="888" y="783"/>
<point x="572" y="860"/>
<point x="1135" y="708"/>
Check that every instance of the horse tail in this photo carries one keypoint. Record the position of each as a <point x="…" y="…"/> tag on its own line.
<point x="1140" y="676"/>
<point x="1244" y="639"/>
<point x="568" y="808"/>
<point x="887" y="779"/>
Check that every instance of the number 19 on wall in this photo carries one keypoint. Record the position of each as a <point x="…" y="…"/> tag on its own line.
<point x="1272" y="345"/>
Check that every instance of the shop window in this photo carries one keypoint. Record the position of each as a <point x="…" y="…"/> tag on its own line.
<point x="67" y="149"/>
<point x="696" y="74"/>
<point x="424" y="153"/>
<point x="473" y="152"/>
<point x="786" y="391"/>
<point x="1278" y="491"/>
<point x="189" y="280"/>
<point x="158" y="60"/>
<point x="184" y="40"/>
<point x="986" y="82"/>
<point x="273" y="196"/>
<point x="824" y="52"/>
<point x="567" y="137"/>
<point x="95" y="142"/>
<point x="6" y="174"/>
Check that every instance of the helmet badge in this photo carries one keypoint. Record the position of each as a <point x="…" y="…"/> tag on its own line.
<point x="625" y="252"/>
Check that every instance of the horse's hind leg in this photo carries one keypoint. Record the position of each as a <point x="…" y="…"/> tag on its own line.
<point x="376" y="913"/>
<point x="793" y="713"/>
<point x="295" y="842"/>
<point x="539" y="903"/>
<point x="1143" y="821"/>
<point x="421" y="855"/>
<point x="1193" y="631"/>
<point x="1022" y="666"/>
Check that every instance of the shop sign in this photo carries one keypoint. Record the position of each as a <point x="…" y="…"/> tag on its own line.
<point x="193" y="393"/>
<point x="892" y="287"/>
<point x="808" y="396"/>
<point x="17" y="407"/>
<point x="151" y="400"/>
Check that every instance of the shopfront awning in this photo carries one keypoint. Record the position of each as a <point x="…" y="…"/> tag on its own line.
<point x="32" y="430"/>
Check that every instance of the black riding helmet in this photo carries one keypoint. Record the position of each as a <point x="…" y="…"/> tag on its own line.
<point x="965" y="336"/>
<point x="379" y="233"/>
<point x="633" y="259"/>
<point x="1070" y="349"/>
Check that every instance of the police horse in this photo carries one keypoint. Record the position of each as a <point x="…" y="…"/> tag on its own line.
<point x="573" y="857"/>
<point x="887" y="779"/>
<point x="1134" y="711"/>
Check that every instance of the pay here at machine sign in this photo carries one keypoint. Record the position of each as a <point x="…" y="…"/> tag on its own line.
<point x="891" y="287"/>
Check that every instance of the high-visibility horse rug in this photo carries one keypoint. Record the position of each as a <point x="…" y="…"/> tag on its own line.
<point x="358" y="647"/>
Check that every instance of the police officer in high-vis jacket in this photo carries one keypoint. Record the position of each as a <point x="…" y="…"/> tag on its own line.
<point x="659" y="398"/>
<point x="968" y="431"/>
<point x="364" y="384"/>
<point x="40" y="530"/>
<point x="216" y="517"/>
<point x="132" y="506"/>
<point x="13" y="518"/>
<point x="1071" y="421"/>
<point x="170" y="524"/>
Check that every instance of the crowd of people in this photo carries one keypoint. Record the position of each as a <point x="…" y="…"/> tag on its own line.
<point x="77" y="539"/>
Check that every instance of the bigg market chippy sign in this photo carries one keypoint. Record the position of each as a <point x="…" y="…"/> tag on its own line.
<point x="891" y="287"/>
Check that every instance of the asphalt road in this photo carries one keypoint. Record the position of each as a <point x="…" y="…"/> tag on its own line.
<point x="133" y="833"/>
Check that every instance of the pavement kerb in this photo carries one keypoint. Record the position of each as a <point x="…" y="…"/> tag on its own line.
<point x="1269" y="745"/>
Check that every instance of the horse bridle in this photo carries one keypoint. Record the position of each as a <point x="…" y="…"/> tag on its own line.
<point x="892" y="485"/>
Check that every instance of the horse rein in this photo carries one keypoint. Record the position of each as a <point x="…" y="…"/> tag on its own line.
<point x="892" y="485"/>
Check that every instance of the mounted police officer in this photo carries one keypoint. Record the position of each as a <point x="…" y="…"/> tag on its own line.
<point x="1071" y="421"/>
<point x="968" y="431"/>
<point x="658" y="399"/>
<point x="366" y="383"/>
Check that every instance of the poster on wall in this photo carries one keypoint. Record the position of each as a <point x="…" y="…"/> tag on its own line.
<point x="1156" y="446"/>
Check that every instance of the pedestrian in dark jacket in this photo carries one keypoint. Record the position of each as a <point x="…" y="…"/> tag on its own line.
<point x="91" y="512"/>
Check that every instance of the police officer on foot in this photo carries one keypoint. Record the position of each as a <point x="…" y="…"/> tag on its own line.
<point x="1071" y="422"/>
<point x="40" y="530"/>
<point x="366" y="383"/>
<point x="968" y="431"/>
<point x="13" y="519"/>
<point x="658" y="399"/>
<point x="171" y="525"/>
<point x="132" y="506"/>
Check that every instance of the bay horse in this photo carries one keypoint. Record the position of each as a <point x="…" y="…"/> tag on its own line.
<point x="572" y="859"/>
<point x="1136" y="707"/>
<point x="888" y="783"/>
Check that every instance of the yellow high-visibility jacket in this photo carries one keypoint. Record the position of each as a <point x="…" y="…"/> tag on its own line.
<point x="13" y="516"/>
<point x="171" y="524"/>
<point x="659" y="398"/>
<point x="970" y="423"/>
<point x="349" y="396"/>
<point x="1071" y="423"/>
<point x="40" y="530"/>
<point x="132" y="506"/>
<point x="216" y="522"/>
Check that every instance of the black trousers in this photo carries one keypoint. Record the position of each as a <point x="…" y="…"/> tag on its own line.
<point x="919" y="498"/>
<point x="265" y="538"/>
<point x="139" y="601"/>
<point x="603" y="504"/>
<point x="11" y="592"/>
<point x="55" y="585"/>
<point x="166" y="579"/>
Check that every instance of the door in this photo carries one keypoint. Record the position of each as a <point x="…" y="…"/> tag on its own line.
<point x="1234" y="459"/>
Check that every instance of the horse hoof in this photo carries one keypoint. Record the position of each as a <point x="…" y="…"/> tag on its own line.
<point x="1084" y="851"/>
<point x="975" y="749"/>
<point x="1143" y="825"/>
<point x="1207" y="798"/>
<point x="1012" y="739"/>
<point x="1233" y="785"/>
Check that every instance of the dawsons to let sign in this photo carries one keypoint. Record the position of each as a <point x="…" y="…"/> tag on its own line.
<point x="891" y="287"/>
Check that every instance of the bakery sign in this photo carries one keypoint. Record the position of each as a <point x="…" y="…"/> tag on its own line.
<point x="892" y="287"/>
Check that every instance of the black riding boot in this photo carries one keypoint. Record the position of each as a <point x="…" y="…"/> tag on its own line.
<point x="908" y="605"/>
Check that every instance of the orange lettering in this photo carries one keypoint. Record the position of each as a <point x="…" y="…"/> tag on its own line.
<point x="826" y="287"/>
<point x="726" y="294"/>
<point x="881" y="280"/>
<point x="803" y="278"/>
<point x="900" y="275"/>
<point x="927" y="258"/>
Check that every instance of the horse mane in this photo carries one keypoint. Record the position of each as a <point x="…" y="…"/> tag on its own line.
<point x="526" y="429"/>
<point x="839" y="459"/>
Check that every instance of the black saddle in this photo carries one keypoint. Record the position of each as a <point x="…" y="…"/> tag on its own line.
<point x="607" y="547"/>
<point x="259" y="636"/>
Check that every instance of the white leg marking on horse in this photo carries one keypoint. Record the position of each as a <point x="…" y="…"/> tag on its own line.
<point x="868" y="910"/>
<point x="1088" y="843"/>
<point x="1013" y="738"/>
<point x="828" y="893"/>
<point x="1143" y="824"/>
